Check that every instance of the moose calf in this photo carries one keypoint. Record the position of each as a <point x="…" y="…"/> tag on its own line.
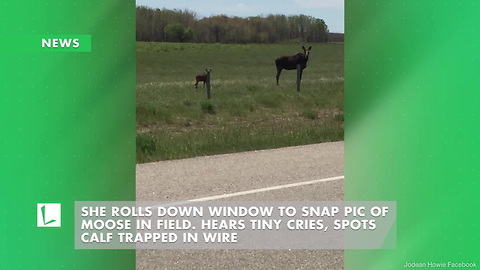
<point x="201" y="78"/>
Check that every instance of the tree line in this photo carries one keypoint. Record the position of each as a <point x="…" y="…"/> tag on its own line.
<point x="165" y="25"/>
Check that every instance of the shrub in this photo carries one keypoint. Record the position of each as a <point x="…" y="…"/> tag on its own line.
<point x="339" y="117"/>
<point x="207" y="107"/>
<point x="310" y="113"/>
<point x="146" y="144"/>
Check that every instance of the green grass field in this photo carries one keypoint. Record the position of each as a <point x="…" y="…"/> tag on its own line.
<point x="248" y="111"/>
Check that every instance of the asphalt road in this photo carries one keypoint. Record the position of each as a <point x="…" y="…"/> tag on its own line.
<point x="261" y="176"/>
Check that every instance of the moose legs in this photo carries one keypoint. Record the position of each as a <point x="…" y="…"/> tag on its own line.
<point x="279" y="71"/>
<point x="196" y="84"/>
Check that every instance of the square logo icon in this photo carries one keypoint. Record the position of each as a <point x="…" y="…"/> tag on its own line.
<point x="49" y="214"/>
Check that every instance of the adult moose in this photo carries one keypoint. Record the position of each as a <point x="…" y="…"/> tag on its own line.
<point x="291" y="62"/>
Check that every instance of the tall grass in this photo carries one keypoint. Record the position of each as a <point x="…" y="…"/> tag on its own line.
<point x="247" y="111"/>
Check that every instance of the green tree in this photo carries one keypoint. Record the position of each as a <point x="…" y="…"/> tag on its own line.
<point x="174" y="32"/>
<point x="188" y="35"/>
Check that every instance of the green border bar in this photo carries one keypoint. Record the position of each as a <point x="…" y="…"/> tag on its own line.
<point x="412" y="106"/>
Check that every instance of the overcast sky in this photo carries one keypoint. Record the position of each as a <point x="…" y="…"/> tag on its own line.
<point x="331" y="11"/>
